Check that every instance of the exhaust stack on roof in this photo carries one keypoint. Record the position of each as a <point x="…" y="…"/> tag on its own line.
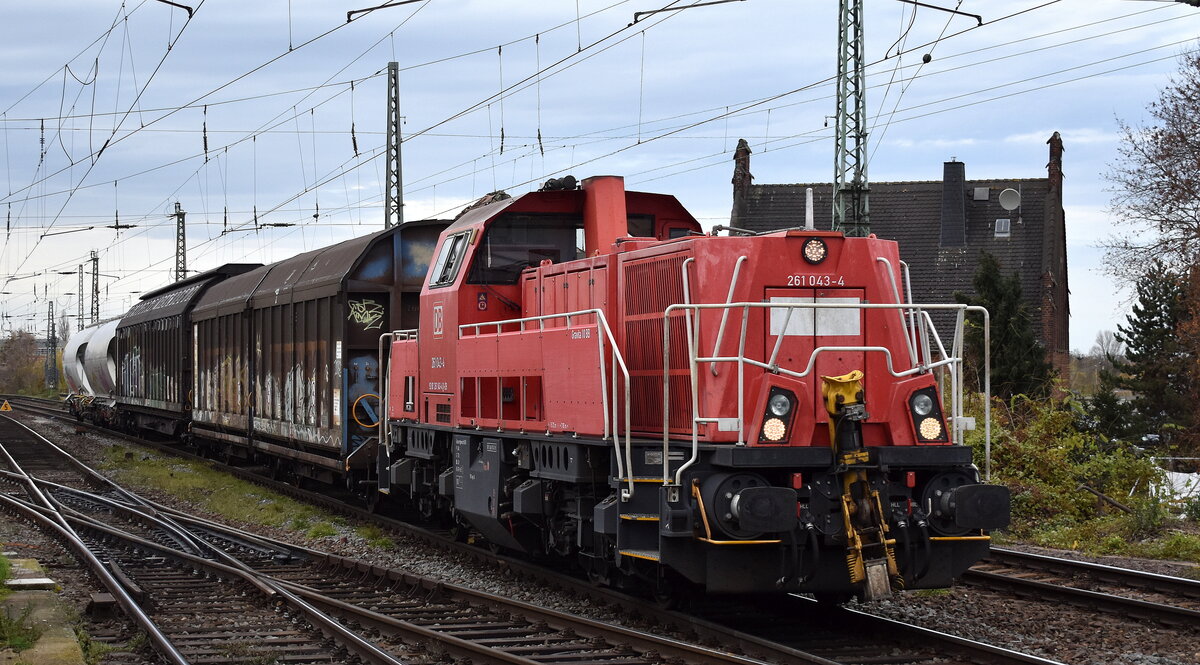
<point x="604" y="216"/>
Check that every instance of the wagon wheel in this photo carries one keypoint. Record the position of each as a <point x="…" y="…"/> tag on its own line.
<point x="373" y="500"/>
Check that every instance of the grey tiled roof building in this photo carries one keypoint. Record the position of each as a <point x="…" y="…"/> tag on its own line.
<point x="943" y="227"/>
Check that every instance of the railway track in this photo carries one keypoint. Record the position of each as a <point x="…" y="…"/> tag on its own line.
<point x="804" y="631"/>
<point x="168" y="562"/>
<point x="1131" y="593"/>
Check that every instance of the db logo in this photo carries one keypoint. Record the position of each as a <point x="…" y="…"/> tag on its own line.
<point x="439" y="320"/>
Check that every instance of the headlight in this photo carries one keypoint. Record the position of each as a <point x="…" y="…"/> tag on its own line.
<point x="779" y="405"/>
<point x="930" y="429"/>
<point x="774" y="430"/>
<point x="815" y="250"/>
<point x="922" y="404"/>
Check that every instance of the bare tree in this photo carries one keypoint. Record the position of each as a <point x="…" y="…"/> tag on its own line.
<point x="1109" y="347"/>
<point x="20" y="366"/>
<point x="1156" y="181"/>
<point x="63" y="328"/>
<point x="1086" y="369"/>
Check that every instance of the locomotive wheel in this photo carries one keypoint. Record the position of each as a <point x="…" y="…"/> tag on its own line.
<point x="460" y="531"/>
<point x="666" y="595"/>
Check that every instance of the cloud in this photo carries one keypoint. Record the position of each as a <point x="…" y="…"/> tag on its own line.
<point x="933" y="143"/>
<point x="1078" y="136"/>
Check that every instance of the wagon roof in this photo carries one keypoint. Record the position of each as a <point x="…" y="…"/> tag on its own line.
<point x="314" y="274"/>
<point x="176" y="298"/>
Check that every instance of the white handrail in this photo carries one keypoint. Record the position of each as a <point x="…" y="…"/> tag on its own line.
<point x="953" y="361"/>
<point x="912" y="318"/>
<point x="610" y="415"/>
<point x="737" y="270"/>
<point x="987" y="389"/>
<point x="912" y="348"/>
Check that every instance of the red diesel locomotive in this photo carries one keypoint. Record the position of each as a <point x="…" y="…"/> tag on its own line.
<point x="595" y="377"/>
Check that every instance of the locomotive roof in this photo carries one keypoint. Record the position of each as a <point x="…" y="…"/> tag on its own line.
<point x="474" y="216"/>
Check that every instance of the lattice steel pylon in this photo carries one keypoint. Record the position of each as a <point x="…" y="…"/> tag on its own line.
<point x="180" y="243"/>
<point x="95" y="287"/>
<point x="851" y="211"/>
<point x="51" y="348"/>
<point x="393" y="214"/>
<point x="79" y="319"/>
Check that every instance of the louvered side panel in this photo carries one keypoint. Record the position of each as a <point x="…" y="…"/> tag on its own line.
<point x="650" y="286"/>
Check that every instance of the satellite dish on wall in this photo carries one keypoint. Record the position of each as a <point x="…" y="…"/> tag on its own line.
<point x="1010" y="199"/>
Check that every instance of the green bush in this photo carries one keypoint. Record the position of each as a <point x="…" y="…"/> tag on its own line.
<point x="17" y="633"/>
<point x="1041" y="453"/>
<point x="1191" y="509"/>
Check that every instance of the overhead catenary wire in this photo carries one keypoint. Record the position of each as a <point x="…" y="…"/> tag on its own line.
<point x="510" y="136"/>
<point x="953" y="55"/>
<point x="116" y="128"/>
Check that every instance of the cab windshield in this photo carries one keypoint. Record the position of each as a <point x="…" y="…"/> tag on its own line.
<point x="518" y="240"/>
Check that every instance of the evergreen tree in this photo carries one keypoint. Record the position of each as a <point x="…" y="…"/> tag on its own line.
<point x="1157" y="362"/>
<point x="1107" y="414"/>
<point x="1018" y="360"/>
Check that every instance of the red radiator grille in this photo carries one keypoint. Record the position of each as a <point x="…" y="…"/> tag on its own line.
<point x="654" y="284"/>
<point x="651" y="286"/>
<point x="646" y="407"/>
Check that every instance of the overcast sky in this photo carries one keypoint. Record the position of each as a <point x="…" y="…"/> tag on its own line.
<point x="130" y="94"/>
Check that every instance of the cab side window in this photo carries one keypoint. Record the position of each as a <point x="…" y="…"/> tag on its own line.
<point x="445" y="268"/>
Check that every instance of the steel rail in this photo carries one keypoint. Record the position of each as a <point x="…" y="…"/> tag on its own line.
<point x="1082" y="597"/>
<point x="665" y="647"/>
<point x="1136" y="607"/>
<point x="990" y="652"/>
<point x="353" y="642"/>
<point x="1103" y="572"/>
<point x="731" y="638"/>
<point x="312" y="599"/>
<point x="455" y="646"/>
<point x="57" y="524"/>
<point x="348" y="639"/>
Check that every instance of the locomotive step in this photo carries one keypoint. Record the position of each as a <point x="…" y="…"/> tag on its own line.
<point x="644" y="479"/>
<point x="649" y="555"/>
<point x="640" y="517"/>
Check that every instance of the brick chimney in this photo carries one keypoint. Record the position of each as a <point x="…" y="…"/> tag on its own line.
<point x="954" y="205"/>
<point x="1054" y="168"/>
<point x="1056" y="306"/>
<point x="741" y="181"/>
